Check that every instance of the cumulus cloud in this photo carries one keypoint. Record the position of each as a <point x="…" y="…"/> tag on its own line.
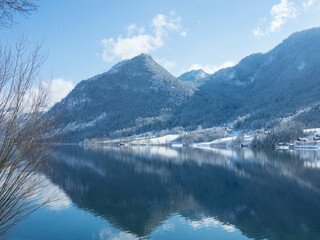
<point x="211" y="68"/>
<point x="59" y="88"/>
<point x="132" y="29"/>
<point x="280" y="13"/>
<point x="167" y="64"/>
<point x="309" y="3"/>
<point x="138" y="41"/>
<point x="184" y="33"/>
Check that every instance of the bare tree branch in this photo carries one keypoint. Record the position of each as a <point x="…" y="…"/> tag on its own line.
<point x="24" y="137"/>
<point x="8" y="8"/>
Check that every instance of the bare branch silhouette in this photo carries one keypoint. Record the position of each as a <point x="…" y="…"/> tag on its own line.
<point x="10" y="7"/>
<point x="24" y="139"/>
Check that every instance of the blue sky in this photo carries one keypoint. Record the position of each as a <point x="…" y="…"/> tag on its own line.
<point x="85" y="38"/>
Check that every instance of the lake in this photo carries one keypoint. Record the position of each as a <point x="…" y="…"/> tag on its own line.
<point x="165" y="193"/>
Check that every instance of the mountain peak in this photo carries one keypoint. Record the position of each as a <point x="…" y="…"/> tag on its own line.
<point x="136" y="92"/>
<point x="135" y="64"/>
<point x="143" y="57"/>
<point x="193" y="75"/>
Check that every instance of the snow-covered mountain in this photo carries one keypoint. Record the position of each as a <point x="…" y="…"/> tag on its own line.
<point x="135" y="95"/>
<point x="139" y="95"/>
<point x="196" y="76"/>
<point x="262" y="88"/>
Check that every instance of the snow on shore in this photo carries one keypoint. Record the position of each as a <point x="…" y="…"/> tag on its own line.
<point x="164" y="140"/>
<point x="309" y="142"/>
<point x="233" y="139"/>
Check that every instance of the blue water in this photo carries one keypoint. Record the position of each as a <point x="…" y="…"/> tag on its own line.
<point x="73" y="223"/>
<point x="163" y="193"/>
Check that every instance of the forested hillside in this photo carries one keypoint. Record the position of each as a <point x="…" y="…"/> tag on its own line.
<point x="139" y="95"/>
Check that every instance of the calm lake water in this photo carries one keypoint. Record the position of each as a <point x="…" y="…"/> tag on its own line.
<point x="163" y="193"/>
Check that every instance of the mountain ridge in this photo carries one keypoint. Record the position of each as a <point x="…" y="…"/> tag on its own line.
<point x="135" y="92"/>
<point x="139" y="95"/>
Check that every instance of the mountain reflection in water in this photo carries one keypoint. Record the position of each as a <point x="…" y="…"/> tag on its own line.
<point x="273" y="195"/>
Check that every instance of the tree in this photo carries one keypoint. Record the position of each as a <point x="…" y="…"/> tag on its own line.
<point x="284" y="132"/>
<point x="24" y="140"/>
<point x="10" y="7"/>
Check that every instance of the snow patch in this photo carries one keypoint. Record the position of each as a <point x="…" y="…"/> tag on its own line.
<point x="301" y="66"/>
<point x="75" y="126"/>
<point x="239" y="83"/>
<point x="70" y="104"/>
<point x="157" y="140"/>
<point x="116" y="67"/>
<point x="232" y="75"/>
<point x="251" y="79"/>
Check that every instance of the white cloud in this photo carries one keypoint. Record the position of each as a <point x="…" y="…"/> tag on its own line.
<point x="169" y="65"/>
<point x="59" y="88"/>
<point x="309" y="3"/>
<point x="210" y="68"/>
<point x="183" y="34"/>
<point x="280" y="13"/>
<point x="132" y="29"/>
<point x="258" y="32"/>
<point x="137" y="41"/>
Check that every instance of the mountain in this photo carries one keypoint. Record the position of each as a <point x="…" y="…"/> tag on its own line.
<point x="139" y="95"/>
<point x="262" y="89"/>
<point x="195" y="76"/>
<point x="135" y="95"/>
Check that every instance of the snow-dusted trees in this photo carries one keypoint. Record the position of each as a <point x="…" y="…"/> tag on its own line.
<point x="202" y="135"/>
<point x="283" y="133"/>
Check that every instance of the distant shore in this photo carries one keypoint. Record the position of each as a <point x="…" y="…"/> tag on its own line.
<point x="231" y="139"/>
